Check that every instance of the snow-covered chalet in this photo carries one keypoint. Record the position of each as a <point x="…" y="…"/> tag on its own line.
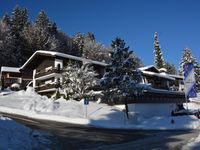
<point x="47" y="68"/>
<point x="164" y="92"/>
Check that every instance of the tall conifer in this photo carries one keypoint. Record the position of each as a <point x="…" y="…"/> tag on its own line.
<point x="158" y="57"/>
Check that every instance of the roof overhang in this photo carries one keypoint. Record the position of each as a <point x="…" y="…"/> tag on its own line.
<point x="150" y="68"/>
<point x="40" y="55"/>
<point x="176" y="76"/>
<point x="164" y="76"/>
<point x="10" y="69"/>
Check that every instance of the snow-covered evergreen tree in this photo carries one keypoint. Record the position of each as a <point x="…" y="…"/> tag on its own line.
<point x="78" y="43"/>
<point x="5" y="25"/>
<point x="77" y="81"/>
<point x="15" y="44"/>
<point x="90" y="36"/>
<point x="85" y="45"/>
<point x="158" y="57"/>
<point x="48" y="37"/>
<point x="171" y="69"/>
<point x="120" y="79"/>
<point x="93" y="50"/>
<point x="19" y="38"/>
<point x="137" y="61"/>
<point x="19" y="20"/>
<point x="188" y="58"/>
<point x="42" y="22"/>
<point x="42" y="27"/>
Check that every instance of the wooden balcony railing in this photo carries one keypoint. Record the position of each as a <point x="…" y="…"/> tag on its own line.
<point x="50" y="71"/>
<point x="46" y="87"/>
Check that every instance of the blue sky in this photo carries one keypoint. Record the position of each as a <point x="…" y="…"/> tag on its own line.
<point x="176" y="21"/>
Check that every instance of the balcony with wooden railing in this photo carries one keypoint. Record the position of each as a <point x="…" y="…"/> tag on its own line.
<point x="48" y="72"/>
<point x="46" y="87"/>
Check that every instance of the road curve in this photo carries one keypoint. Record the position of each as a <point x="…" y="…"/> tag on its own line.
<point x="88" y="137"/>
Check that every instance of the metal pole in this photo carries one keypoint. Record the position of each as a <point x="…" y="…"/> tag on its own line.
<point x="186" y="96"/>
<point x="86" y="111"/>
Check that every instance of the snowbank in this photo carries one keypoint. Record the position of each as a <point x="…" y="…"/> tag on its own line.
<point x="5" y="92"/>
<point x="193" y="105"/>
<point x="14" y="136"/>
<point x="193" y="144"/>
<point x="29" y="103"/>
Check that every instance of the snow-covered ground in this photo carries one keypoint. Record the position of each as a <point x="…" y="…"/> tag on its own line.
<point x="16" y="136"/>
<point x="31" y="104"/>
<point x="193" y="145"/>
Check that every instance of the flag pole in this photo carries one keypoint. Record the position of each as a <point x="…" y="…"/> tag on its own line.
<point x="185" y="88"/>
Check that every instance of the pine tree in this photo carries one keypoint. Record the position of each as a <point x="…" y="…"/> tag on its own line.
<point x="78" y="43"/>
<point x="93" y="50"/>
<point x="86" y="46"/>
<point x="90" y="36"/>
<point x="5" y="22"/>
<point x="46" y="33"/>
<point x="19" y="46"/>
<point x="65" y="43"/>
<point x="77" y="81"/>
<point x="120" y="77"/>
<point x="41" y="31"/>
<point x="19" y="38"/>
<point x="5" y="25"/>
<point x="171" y="69"/>
<point x="188" y="58"/>
<point x="136" y="61"/>
<point x="120" y="80"/>
<point x="158" y="58"/>
<point x="19" y="20"/>
<point x="42" y="22"/>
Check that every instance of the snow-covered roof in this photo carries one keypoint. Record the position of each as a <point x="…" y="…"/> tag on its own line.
<point x="58" y="54"/>
<point x="146" y="67"/>
<point x="10" y="69"/>
<point x="176" y="76"/>
<point x="162" y="70"/>
<point x="150" y="68"/>
<point x="166" y="76"/>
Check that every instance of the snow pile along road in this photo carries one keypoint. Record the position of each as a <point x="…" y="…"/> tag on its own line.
<point x="29" y="103"/>
<point x="14" y="136"/>
<point x="35" y="102"/>
<point x="194" y="144"/>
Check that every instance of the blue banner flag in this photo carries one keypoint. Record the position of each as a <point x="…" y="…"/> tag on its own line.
<point x="189" y="80"/>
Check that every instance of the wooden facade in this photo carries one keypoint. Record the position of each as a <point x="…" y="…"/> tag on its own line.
<point x="11" y="75"/>
<point x="48" y="67"/>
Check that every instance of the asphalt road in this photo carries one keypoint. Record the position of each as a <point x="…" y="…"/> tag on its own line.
<point x="70" y="136"/>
